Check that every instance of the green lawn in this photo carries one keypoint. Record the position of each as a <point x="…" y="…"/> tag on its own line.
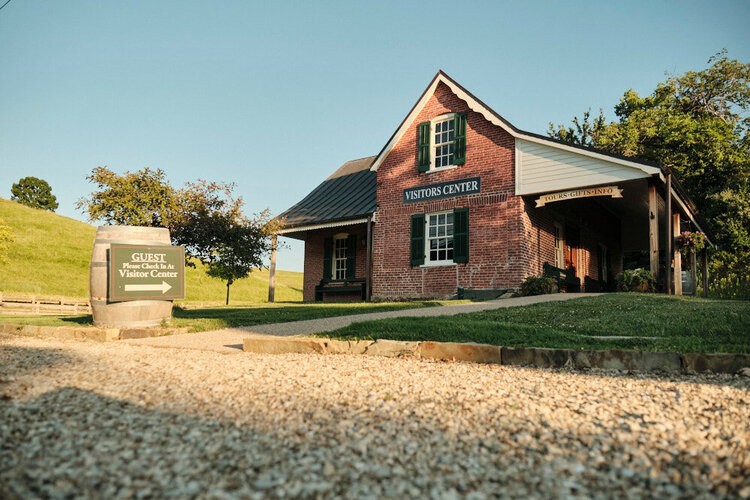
<point x="50" y="255"/>
<point x="211" y="318"/>
<point x="680" y="324"/>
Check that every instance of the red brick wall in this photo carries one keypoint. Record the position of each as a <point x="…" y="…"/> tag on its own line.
<point x="497" y="257"/>
<point x="509" y="239"/>
<point x="314" y="258"/>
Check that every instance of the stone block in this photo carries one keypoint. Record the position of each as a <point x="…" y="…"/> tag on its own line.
<point x="447" y="351"/>
<point x="717" y="363"/>
<point x="347" y="346"/>
<point x="640" y="361"/>
<point x="536" y="357"/>
<point x="391" y="348"/>
<point x="282" y="345"/>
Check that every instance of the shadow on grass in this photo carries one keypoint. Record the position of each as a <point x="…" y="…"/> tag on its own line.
<point x="222" y="317"/>
<point x="87" y="320"/>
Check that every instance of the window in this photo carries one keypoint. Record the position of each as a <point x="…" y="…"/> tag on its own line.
<point x="440" y="238"/>
<point x="441" y="142"/>
<point x="559" y="244"/>
<point x="339" y="257"/>
<point x="444" y="134"/>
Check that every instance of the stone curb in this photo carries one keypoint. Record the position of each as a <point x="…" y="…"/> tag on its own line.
<point x="86" y="333"/>
<point x="613" y="359"/>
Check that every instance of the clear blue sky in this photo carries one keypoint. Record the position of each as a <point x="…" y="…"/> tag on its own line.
<point x="276" y="95"/>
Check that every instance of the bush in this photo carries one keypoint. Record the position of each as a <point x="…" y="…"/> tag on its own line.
<point x="636" y="280"/>
<point x="537" y="285"/>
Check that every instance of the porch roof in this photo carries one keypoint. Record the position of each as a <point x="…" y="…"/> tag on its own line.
<point x="347" y="194"/>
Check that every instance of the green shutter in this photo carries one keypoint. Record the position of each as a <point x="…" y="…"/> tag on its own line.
<point x="459" y="143"/>
<point x="461" y="235"/>
<point x="417" y="239"/>
<point x="423" y="147"/>
<point x="328" y="258"/>
<point x="351" y="256"/>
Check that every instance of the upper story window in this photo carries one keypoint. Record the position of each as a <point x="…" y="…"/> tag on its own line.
<point x="444" y="137"/>
<point x="441" y="142"/>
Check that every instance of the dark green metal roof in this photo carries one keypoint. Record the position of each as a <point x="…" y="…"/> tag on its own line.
<point x="348" y="193"/>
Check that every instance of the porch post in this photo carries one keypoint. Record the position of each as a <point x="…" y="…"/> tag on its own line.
<point x="668" y="234"/>
<point x="704" y="269"/>
<point x="677" y="256"/>
<point x="368" y="261"/>
<point x="653" y="230"/>
<point x="272" y="271"/>
<point x="693" y="271"/>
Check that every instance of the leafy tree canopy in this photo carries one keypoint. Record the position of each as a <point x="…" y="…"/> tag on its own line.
<point x="698" y="124"/>
<point x="35" y="193"/>
<point x="205" y="217"/>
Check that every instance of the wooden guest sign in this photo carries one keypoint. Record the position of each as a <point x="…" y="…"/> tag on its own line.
<point x="146" y="272"/>
<point x="612" y="191"/>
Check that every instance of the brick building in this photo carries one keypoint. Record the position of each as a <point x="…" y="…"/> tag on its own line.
<point x="461" y="200"/>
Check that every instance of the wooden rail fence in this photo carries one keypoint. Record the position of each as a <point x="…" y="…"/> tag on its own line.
<point x="18" y="304"/>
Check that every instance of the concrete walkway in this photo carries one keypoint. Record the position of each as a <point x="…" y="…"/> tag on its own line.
<point x="229" y="340"/>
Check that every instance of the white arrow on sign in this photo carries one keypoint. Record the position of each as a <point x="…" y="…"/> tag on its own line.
<point x="164" y="287"/>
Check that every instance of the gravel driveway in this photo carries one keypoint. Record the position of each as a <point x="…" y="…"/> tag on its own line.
<point x="121" y="420"/>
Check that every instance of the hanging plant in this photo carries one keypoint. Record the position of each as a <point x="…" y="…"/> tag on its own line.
<point x="695" y="240"/>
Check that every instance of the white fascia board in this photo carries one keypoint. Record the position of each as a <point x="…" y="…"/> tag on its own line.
<point x="326" y="225"/>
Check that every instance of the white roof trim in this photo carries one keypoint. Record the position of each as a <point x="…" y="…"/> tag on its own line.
<point x="312" y="227"/>
<point x="490" y="116"/>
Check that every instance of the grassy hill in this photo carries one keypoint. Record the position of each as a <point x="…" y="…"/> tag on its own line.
<point x="50" y="255"/>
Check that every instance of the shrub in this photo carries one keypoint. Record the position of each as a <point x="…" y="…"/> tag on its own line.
<point x="636" y="280"/>
<point x="537" y="285"/>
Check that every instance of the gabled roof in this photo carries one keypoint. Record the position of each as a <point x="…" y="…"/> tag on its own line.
<point x="490" y="115"/>
<point x="347" y="194"/>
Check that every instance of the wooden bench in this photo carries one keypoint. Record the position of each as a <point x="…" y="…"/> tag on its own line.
<point x="340" y="287"/>
<point x="566" y="280"/>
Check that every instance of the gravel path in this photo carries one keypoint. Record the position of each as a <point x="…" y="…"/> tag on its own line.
<point x="229" y="340"/>
<point x="116" y="420"/>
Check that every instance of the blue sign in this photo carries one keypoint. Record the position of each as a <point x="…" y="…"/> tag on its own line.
<point x="450" y="189"/>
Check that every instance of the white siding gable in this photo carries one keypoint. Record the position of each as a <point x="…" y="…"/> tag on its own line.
<point x="542" y="168"/>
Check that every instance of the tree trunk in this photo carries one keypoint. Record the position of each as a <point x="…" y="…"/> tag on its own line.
<point x="229" y="282"/>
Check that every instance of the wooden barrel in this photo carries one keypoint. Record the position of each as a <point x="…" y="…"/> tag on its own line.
<point x="134" y="313"/>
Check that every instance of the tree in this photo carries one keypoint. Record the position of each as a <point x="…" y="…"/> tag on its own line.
<point x="583" y="132"/>
<point x="141" y="198"/>
<point x="35" y="193"/>
<point x="6" y="236"/>
<point x="204" y="217"/>
<point x="242" y="248"/>
<point x="698" y="124"/>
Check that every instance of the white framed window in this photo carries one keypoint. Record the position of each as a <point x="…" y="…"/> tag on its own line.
<point x="559" y="246"/>
<point x="439" y="240"/>
<point x="340" y="255"/>
<point x="443" y="141"/>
